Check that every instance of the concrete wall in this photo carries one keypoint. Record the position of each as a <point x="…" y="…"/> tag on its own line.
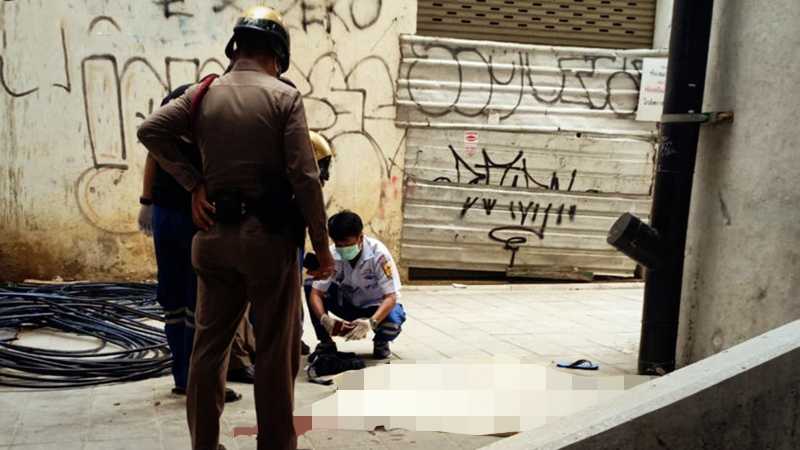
<point x="742" y="272"/>
<point x="78" y="76"/>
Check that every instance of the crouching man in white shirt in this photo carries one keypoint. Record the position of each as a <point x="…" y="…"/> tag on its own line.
<point x="363" y="289"/>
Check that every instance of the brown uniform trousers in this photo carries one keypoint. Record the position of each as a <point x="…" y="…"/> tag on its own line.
<point x="243" y="347"/>
<point x="252" y="134"/>
<point x="234" y="264"/>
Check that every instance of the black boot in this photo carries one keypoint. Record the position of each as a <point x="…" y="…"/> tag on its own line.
<point x="381" y="350"/>
<point x="243" y="375"/>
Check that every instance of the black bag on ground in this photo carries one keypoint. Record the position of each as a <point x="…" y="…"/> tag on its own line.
<point x="332" y="363"/>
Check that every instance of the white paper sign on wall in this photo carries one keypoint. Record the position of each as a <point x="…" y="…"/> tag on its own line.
<point x="651" y="94"/>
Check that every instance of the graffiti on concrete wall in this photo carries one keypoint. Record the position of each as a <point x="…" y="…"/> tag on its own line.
<point x="117" y="96"/>
<point x="341" y="105"/>
<point x="13" y="92"/>
<point x="120" y="81"/>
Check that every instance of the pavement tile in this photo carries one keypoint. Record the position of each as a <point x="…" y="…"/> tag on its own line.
<point x="506" y="350"/>
<point x="39" y="409"/>
<point x="51" y="446"/>
<point x="429" y="356"/>
<point x="127" y="429"/>
<point x="545" y="347"/>
<point x="473" y="336"/>
<point x="570" y="340"/>
<point x="342" y="439"/>
<point x="177" y="442"/>
<point x="7" y="435"/>
<point x="136" y="444"/>
<point x="469" y="442"/>
<point x="617" y="358"/>
<point x="465" y="353"/>
<point x="9" y="420"/>
<point x="442" y="445"/>
<point x="170" y="406"/>
<point x="616" y="339"/>
<point x="137" y="389"/>
<point x="65" y="432"/>
<point x="175" y="428"/>
<point x="249" y="443"/>
<point x="121" y="411"/>
<point x="398" y="436"/>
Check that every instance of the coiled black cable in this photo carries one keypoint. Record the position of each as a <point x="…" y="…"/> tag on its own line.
<point x="114" y="313"/>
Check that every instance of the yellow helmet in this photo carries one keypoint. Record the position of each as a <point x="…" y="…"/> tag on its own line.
<point x="321" y="147"/>
<point x="267" y="21"/>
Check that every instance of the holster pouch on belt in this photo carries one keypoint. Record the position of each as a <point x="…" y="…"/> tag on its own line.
<point x="282" y="217"/>
<point x="230" y="207"/>
<point x="278" y="214"/>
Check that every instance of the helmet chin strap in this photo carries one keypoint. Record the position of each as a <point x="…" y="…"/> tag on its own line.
<point x="229" y="48"/>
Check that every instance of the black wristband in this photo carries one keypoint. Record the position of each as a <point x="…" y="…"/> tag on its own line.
<point x="145" y="201"/>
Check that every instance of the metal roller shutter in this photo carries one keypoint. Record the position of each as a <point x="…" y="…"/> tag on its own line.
<point x="578" y="23"/>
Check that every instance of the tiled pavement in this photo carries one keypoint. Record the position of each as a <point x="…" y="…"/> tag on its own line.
<point x="535" y="323"/>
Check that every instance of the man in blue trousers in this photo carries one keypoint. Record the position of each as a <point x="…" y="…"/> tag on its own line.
<point x="166" y="215"/>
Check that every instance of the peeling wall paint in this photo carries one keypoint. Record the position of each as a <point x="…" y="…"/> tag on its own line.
<point x="78" y="76"/>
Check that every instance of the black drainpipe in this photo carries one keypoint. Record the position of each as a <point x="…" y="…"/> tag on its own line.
<point x="660" y="246"/>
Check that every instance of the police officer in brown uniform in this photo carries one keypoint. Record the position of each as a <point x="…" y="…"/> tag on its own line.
<point x="258" y="189"/>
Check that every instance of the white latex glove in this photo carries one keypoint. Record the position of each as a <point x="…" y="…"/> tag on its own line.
<point x="362" y="328"/>
<point x="328" y="322"/>
<point x="146" y="220"/>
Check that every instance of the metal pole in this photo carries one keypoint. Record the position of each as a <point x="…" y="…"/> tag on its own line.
<point x="686" y="74"/>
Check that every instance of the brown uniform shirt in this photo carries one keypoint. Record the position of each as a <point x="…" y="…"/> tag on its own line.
<point x="252" y="133"/>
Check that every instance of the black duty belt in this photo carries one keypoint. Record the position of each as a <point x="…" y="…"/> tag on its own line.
<point x="231" y="208"/>
<point x="280" y="217"/>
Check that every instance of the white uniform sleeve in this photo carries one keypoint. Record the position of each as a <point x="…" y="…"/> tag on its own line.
<point x="322" y="285"/>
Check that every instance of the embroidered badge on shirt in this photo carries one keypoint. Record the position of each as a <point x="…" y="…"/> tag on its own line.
<point x="387" y="269"/>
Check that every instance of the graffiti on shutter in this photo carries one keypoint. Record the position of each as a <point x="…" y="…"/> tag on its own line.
<point x="520" y="157"/>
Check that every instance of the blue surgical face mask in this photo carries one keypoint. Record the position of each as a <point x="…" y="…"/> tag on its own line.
<point x="348" y="253"/>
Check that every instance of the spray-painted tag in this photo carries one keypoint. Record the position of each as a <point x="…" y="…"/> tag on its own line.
<point x="470" y="142"/>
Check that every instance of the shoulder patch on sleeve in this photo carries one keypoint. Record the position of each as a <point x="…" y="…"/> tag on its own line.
<point x="387" y="269"/>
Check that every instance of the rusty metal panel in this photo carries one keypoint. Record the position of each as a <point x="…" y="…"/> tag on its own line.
<point x="591" y="23"/>
<point x="518" y="157"/>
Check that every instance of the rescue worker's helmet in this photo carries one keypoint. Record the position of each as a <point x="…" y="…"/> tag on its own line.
<point x="269" y="23"/>
<point x="323" y="154"/>
<point x="321" y="147"/>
